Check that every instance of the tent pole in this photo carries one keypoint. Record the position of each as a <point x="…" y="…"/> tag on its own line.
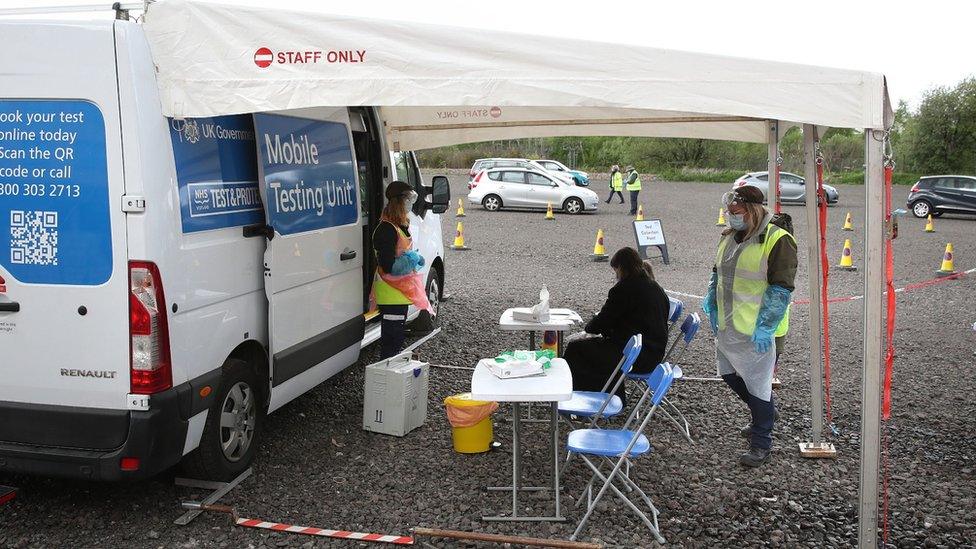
<point x="816" y="448"/>
<point x="772" y="196"/>
<point x="871" y="385"/>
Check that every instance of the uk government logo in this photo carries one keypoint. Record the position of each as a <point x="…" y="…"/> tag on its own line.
<point x="265" y="57"/>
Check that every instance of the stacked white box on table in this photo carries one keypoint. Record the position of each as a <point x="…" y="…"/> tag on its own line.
<point x="395" y="395"/>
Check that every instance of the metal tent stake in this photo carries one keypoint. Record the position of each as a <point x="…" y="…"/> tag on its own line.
<point x="220" y="489"/>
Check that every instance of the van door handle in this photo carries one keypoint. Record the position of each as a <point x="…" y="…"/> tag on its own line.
<point x="9" y="307"/>
<point x="347" y="255"/>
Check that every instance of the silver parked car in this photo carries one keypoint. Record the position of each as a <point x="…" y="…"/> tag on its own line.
<point x="489" y="163"/>
<point x="529" y="188"/>
<point x="792" y="188"/>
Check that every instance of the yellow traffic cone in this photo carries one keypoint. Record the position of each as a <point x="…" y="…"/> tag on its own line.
<point x="549" y="215"/>
<point x="721" y="217"/>
<point x="948" y="264"/>
<point x="640" y="212"/>
<point x="459" y="238"/>
<point x="460" y="210"/>
<point x="599" y="251"/>
<point x="930" y="225"/>
<point x="847" y="260"/>
<point x="849" y="223"/>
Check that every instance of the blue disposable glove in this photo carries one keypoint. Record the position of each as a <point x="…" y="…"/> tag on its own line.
<point x="775" y="301"/>
<point x="405" y="264"/>
<point x="763" y="340"/>
<point x="420" y="259"/>
<point x="710" y="305"/>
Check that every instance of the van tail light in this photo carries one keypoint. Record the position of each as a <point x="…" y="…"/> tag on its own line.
<point x="150" y="370"/>
<point x="914" y="188"/>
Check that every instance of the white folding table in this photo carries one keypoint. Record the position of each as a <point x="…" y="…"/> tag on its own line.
<point x="554" y="386"/>
<point x="560" y="321"/>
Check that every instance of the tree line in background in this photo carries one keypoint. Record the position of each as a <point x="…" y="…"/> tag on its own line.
<point x="936" y="138"/>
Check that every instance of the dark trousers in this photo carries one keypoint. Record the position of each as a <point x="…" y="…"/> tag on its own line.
<point x="762" y="412"/>
<point x="591" y="362"/>
<point x="633" y="202"/>
<point x="619" y="195"/>
<point x="392" y="334"/>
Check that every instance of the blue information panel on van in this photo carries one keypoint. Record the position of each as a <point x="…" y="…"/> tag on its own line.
<point x="217" y="173"/>
<point x="54" y="199"/>
<point x="308" y="172"/>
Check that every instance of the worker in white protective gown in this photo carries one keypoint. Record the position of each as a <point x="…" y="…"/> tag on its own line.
<point x="748" y="305"/>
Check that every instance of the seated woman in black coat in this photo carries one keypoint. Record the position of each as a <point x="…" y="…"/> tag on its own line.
<point x="636" y="305"/>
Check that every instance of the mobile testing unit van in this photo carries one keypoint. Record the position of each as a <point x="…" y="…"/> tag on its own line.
<point x="165" y="283"/>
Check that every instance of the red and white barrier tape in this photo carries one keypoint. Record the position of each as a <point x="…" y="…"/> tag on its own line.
<point x="906" y="288"/>
<point x="323" y="532"/>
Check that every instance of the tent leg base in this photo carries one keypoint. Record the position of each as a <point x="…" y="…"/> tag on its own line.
<point x="777" y="383"/>
<point x="815" y="450"/>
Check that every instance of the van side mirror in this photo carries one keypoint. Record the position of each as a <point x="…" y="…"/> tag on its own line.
<point x="440" y="194"/>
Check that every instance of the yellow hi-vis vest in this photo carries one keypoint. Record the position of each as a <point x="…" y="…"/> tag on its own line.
<point x="617" y="181"/>
<point x="749" y="282"/>
<point x="635" y="186"/>
<point x="385" y="293"/>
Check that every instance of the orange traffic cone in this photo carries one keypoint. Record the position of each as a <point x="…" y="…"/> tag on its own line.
<point x="640" y="212"/>
<point x="721" y="217"/>
<point x="847" y="260"/>
<point x="930" y="225"/>
<point x="948" y="264"/>
<point x="459" y="238"/>
<point x="849" y="223"/>
<point x="549" y="216"/>
<point x="460" y="210"/>
<point x="599" y="250"/>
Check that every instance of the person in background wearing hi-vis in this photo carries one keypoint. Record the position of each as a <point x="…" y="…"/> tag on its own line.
<point x="397" y="283"/>
<point x="616" y="184"/>
<point x="747" y="306"/>
<point x="634" y="186"/>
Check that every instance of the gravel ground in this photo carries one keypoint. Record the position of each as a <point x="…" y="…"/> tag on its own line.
<point x="317" y="467"/>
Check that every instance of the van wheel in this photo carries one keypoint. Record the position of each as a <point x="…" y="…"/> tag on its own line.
<point x="492" y="203"/>
<point x="434" y="294"/>
<point x="233" y="430"/>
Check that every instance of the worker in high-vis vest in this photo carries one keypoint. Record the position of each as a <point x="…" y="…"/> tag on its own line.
<point x="616" y="184"/>
<point x="634" y="186"/>
<point x="747" y="305"/>
<point x="397" y="283"/>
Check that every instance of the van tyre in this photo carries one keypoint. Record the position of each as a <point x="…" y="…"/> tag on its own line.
<point x="234" y="426"/>
<point x="492" y="202"/>
<point x="573" y="206"/>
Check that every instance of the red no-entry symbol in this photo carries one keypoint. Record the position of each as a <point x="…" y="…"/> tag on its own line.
<point x="263" y="57"/>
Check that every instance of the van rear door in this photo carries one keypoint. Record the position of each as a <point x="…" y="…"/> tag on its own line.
<point x="313" y="262"/>
<point x="63" y="299"/>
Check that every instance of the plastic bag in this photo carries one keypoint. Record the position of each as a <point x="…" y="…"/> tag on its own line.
<point x="464" y="412"/>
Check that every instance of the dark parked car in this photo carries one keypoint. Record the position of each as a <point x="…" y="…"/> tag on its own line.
<point x="939" y="194"/>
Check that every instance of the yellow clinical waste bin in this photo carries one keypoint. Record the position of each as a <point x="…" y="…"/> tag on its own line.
<point x="470" y="423"/>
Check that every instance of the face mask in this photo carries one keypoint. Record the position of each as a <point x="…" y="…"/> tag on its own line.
<point x="410" y="200"/>
<point x="737" y="221"/>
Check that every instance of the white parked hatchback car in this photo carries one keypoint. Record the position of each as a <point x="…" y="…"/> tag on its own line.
<point x="528" y="188"/>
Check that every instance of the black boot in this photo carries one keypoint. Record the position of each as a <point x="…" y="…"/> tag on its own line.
<point x="754" y="457"/>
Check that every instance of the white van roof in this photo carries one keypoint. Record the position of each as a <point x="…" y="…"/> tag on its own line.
<point x="440" y="85"/>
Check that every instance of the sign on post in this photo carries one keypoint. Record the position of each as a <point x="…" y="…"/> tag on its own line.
<point x="650" y="234"/>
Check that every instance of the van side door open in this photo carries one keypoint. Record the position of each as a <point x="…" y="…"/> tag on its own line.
<point x="313" y="261"/>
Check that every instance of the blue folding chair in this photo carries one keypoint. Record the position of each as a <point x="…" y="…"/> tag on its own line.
<point x="689" y="328"/>
<point x="603" y="444"/>
<point x="675" y="308"/>
<point x="603" y="404"/>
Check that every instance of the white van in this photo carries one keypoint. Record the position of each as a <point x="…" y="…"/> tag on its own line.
<point x="165" y="283"/>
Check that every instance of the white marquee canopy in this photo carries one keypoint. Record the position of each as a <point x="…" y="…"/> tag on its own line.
<point x="442" y="85"/>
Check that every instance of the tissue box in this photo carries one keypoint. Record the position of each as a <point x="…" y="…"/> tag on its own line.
<point x="395" y="395"/>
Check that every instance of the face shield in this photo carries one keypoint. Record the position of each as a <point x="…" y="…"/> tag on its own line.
<point x="410" y="199"/>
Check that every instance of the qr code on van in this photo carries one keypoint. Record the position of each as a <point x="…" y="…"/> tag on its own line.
<point x="33" y="237"/>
